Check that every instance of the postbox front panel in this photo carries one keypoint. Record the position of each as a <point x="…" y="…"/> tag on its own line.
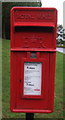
<point x="34" y="37"/>
<point x="33" y="43"/>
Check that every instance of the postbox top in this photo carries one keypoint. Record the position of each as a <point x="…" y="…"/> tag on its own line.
<point x="36" y="16"/>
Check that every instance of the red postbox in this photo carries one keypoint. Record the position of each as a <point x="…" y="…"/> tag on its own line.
<point x="33" y="51"/>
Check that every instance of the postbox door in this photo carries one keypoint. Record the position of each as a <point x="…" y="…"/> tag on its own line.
<point x="22" y="98"/>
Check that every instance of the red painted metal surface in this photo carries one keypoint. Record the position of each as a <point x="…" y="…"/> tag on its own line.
<point x="32" y="30"/>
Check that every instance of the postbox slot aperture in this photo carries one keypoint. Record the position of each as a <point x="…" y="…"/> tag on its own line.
<point x="33" y="28"/>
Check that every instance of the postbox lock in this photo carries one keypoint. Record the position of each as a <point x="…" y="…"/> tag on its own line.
<point x="20" y="81"/>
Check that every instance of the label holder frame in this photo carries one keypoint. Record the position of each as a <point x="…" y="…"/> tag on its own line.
<point x="40" y="60"/>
